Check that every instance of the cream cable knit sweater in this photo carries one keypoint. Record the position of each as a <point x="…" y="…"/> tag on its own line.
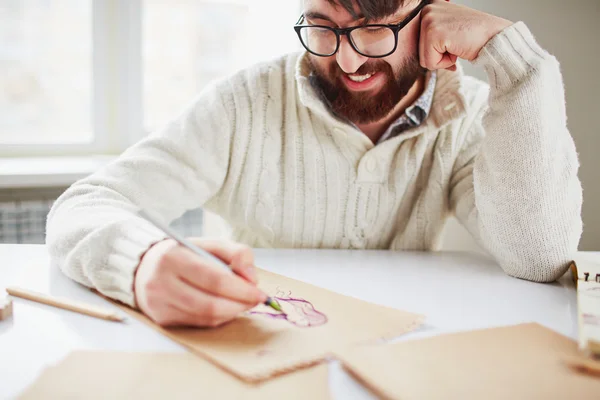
<point x="261" y="150"/>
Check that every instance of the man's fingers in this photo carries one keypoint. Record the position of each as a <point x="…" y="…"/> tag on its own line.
<point x="422" y="42"/>
<point x="452" y="67"/>
<point x="243" y="264"/>
<point x="167" y="315"/>
<point x="447" y="61"/>
<point x="239" y="256"/>
<point x="433" y="52"/>
<point x="175" y="286"/>
<point x="434" y="59"/>
<point x="195" y="307"/>
<point x="430" y="58"/>
<point x="223" y="249"/>
<point x="215" y="280"/>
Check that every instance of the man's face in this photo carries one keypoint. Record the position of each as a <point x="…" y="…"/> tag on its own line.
<point x="341" y="77"/>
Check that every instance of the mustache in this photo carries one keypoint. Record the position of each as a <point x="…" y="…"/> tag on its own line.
<point x="367" y="68"/>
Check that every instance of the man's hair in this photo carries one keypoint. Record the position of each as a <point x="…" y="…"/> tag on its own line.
<point x="370" y="9"/>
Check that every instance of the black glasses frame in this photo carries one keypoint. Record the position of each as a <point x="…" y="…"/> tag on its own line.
<point x="346" y="31"/>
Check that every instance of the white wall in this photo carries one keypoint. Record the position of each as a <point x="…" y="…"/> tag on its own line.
<point x="570" y="30"/>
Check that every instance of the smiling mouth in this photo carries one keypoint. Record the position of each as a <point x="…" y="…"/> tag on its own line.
<point x="359" y="78"/>
<point x="361" y="82"/>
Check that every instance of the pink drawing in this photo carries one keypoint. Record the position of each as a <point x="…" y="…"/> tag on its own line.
<point x="591" y="319"/>
<point x="298" y="312"/>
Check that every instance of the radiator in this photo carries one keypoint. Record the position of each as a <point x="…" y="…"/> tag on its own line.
<point x="24" y="221"/>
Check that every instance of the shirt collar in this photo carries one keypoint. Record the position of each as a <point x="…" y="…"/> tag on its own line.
<point x="416" y="113"/>
<point x="448" y="101"/>
<point x="413" y="116"/>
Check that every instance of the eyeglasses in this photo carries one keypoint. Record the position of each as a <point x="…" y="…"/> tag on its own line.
<point x="374" y="41"/>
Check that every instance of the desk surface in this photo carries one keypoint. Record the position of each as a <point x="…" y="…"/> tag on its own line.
<point x="455" y="291"/>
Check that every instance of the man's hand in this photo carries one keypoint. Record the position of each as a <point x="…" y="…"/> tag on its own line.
<point x="451" y="31"/>
<point x="174" y="286"/>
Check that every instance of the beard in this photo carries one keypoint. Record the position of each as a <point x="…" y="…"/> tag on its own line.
<point x="363" y="107"/>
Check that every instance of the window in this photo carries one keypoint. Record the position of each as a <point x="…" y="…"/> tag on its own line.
<point x="93" y="76"/>
<point x="188" y="43"/>
<point x="45" y="71"/>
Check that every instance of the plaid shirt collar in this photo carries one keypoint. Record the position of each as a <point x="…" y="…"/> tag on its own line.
<point x="415" y="114"/>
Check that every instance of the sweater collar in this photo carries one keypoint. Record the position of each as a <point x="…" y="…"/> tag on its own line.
<point x="448" y="102"/>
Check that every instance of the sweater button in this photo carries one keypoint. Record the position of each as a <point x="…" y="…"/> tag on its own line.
<point x="371" y="165"/>
<point x="450" y="106"/>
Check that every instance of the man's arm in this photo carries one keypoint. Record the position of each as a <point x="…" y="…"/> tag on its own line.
<point x="515" y="184"/>
<point x="92" y="232"/>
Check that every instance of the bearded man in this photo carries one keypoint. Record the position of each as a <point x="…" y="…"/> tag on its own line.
<point x="369" y="138"/>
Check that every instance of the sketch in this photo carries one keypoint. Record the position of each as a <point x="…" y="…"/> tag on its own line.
<point x="591" y="319"/>
<point x="296" y="311"/>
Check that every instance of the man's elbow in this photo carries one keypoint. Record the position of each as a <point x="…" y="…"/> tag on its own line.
<point x="548" y="252"/>
<point x="65" y="231"/>
<point x="541" y="270"/>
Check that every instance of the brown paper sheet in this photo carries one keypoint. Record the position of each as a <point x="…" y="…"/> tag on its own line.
<point x="584" y="364"/>
<point x="255" y="347"/>
<point x="128" y="375"/>
<point x="525" y="361"/>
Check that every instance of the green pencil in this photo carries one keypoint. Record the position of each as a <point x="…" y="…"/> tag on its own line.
<point x="202" y="253"/>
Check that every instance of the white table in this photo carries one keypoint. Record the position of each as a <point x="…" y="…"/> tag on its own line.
<point x="456" y="291"/>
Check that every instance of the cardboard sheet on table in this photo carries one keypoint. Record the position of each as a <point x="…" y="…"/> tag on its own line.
<point x="256" y="347"/>
<point x="525" y="361"/>
<point x="126" y="375"/>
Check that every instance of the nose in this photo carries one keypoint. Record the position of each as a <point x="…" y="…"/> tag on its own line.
<point x="348" y="59"/>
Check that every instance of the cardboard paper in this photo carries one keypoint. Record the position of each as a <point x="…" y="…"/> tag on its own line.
<point x="525" y="361"/>
<point x="124" y="375"/>
<point x="257" y="346"/>
<point x="584" y="364"/>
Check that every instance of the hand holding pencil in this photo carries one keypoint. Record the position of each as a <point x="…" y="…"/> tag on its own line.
<point x="175" y="286"/>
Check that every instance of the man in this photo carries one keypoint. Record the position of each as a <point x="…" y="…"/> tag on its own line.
<point x="369" y="139"/>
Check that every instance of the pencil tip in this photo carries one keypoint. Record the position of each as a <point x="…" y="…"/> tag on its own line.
<point x="274" y="304"/>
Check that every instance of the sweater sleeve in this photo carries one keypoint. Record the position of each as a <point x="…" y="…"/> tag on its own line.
<point x="92" y="233"/>
<point x="515" y="185"/>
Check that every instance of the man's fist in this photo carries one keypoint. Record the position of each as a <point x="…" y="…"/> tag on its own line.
<point x="451" y="31"/>
<point x="174" y="286"/>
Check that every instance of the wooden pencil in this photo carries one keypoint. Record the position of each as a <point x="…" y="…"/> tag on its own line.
<point x="67" y="304"/>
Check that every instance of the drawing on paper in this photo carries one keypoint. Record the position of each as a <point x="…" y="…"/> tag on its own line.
<point x="296" y="311"/>
<point x="591" y="319"/>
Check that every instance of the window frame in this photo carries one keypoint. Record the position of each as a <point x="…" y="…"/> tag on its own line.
<point x="117" y="114"/>
<point x="116" y="98"/>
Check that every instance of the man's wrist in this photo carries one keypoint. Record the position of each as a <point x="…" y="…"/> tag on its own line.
<point x="141" y="260"/>
<point x="499" y="25"/>
<point x="494" y="27"/>
<point x="510" y="56"/>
